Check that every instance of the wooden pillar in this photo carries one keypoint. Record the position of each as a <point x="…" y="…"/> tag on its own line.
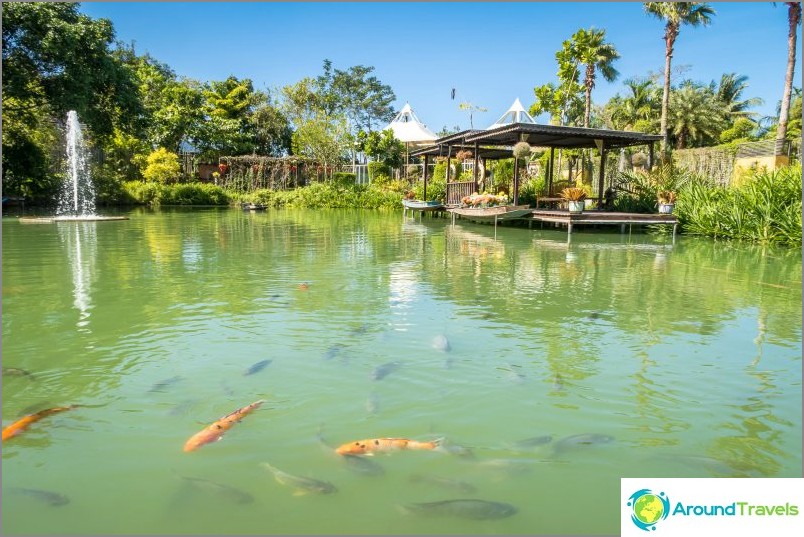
<point x="485" y="186"/>
<point x="516" y="181"/>
<point x="602" y="174"/>
<point x="426" y="162"/>
<point x="449" y="150"/>
<point x="650" y="156"/>
<point x="550" y="167"/>
<point x="475" y="168"/>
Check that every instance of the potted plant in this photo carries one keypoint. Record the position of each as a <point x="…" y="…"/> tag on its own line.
<point x="667" y="200"/>
<point x="575" y="199"/>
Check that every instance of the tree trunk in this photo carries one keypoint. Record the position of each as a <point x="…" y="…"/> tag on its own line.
<point x="670" y="34"/>
<point x="793" y="17"/>
<point x="590" y="83"/>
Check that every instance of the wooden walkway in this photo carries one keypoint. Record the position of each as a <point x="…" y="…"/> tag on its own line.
<point x="602" y="218"/>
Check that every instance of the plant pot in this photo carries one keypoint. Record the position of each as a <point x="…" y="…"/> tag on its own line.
<point x="575" y="207"/>
<point x="666" y="208"/>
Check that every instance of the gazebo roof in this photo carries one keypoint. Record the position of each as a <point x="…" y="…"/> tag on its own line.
<point x="407" y="127"/>
<point x="558" y="136"/>
<point x="493" y="153"/>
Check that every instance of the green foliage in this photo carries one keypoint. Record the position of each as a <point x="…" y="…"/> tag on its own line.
<point x="322" y="140"/>
<point x="767" y="208"/>
<point x="384" y="147"/>
<point x="740" y="130"/>
<point x="532" y="188"/>
<point x="162" y="166"/>
<point x="154" y="193"/>
<point x="343" y="178"/>
<point x="377" y="169"/>
<point x="329" y="196"/>
<point x="436" y="189"/>
<point x="637" y="191"/>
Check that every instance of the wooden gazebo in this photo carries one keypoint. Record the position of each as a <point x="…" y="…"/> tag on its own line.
<point x="498" y="142"/>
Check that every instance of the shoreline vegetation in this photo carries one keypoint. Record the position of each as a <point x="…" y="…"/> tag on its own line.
<point x="764" y="207"/>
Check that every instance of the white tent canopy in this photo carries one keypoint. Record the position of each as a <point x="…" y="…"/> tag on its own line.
<point x="408" y="129"/>
<point x="515" y="114"/>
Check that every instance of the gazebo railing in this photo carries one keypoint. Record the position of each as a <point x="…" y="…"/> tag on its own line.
<point x="456" y="191"/>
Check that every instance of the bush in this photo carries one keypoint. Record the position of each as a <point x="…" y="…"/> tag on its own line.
<point x="162" y="166"/>
<point x="344" y="178"/>
<point x="152" y="193"/>
<point x="378" y="168"/>
<point x="766" y="208"/>
<point x="436" y="189"/>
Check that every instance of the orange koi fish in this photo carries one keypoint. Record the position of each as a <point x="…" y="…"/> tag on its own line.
<point x="383" y="445"/>
<point x="215" y="431"/>
<point x="21" y="424"/>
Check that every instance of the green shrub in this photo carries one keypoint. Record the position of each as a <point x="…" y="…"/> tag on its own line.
<point x="344" y="178"/>
<point x="531" y="189"/>
<point x="436" y="189"/>
<point x="381" y="180"/>
<point x="152" y="193"/>
<point x="766" y="208"/>
<point x="378" y="168"/>
<point x="162" y="166"/>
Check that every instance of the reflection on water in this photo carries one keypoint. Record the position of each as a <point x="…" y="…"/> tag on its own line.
<point x="550" y="369"/>
<point x="80" y="244"/>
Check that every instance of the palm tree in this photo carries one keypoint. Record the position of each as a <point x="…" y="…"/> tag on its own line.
<point x="675" y="14"/>
<point x="638" y="107"/>
<point x="590" y="49"/>
<point x="730" y="91"/>
<point x="793" y="20"/>
<point x="696" y="116"/>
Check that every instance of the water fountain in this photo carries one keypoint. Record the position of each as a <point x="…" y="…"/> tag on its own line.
<point x="77" y="197"/>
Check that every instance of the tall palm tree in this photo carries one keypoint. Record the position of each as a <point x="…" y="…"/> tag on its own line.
<point x="730" y="92"/>
<point x="675" y="15"/>
<point x="793" y="20"/>
<point x="590" y="49"/>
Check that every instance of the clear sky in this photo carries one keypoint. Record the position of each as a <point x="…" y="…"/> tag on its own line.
<point x="490" y="52"/>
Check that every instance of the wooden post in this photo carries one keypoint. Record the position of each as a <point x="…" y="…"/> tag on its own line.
<point x="475" y="167"/>
<point x="550" y="178"/>
<point x="516" y="181"/>
<point x="650" y="156"/>
<point x="449" y="150"/>
<point x="426" y="162"/>
<point x="602" y="173"/>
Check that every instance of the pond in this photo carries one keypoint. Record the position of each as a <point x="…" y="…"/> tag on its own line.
<point x="545" y="371"/>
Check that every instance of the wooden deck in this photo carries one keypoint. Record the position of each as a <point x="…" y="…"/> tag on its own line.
<point x="602" y="218"/>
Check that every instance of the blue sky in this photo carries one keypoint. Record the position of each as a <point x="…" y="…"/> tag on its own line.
<point x="490" y="52"/>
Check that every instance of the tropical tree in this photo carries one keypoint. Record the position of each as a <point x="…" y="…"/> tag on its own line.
<point x="696" y="116"/>
<point x="793" y="20"/>
<point x="675" y="15"/>
<point x="730" y="92"/>
<point x="589" y="48"/>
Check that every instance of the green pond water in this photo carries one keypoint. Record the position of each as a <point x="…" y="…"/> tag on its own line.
<point x="675" y="359"/>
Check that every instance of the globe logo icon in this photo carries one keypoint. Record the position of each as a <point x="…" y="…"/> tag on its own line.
<point x="648" y="508"/>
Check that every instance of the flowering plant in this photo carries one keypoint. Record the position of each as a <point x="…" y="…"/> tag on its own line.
<point x="484" y="200"/>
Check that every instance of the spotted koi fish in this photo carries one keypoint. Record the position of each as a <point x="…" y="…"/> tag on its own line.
<point x="383" y="445"/>
<point x="216" y="430"/>
<point x="23" y="423"/>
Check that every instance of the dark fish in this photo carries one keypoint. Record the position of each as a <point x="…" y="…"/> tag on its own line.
<point x="256" y="368"/>
<point x="362" y="329"/>
<point x="384" y="370"/>
<point x="226" y="492"/>
<point x="444" y="482"/>
<point x="594" y="315"/>
<point x="472" y="509"/>
<point x="333" y="351"/>
<point x="441" y="343"/>
<point x="302" y="485"/>
<point x="533" y="442"/>
<point x="46" y="496"/>
<point x="581" y="440"/>
<point x="17" y="372"/>
<point x="36" y="407"/>
<point x="160" y="386"/>
<point x="514" y="374"/>
<point x="362" y="465"/>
